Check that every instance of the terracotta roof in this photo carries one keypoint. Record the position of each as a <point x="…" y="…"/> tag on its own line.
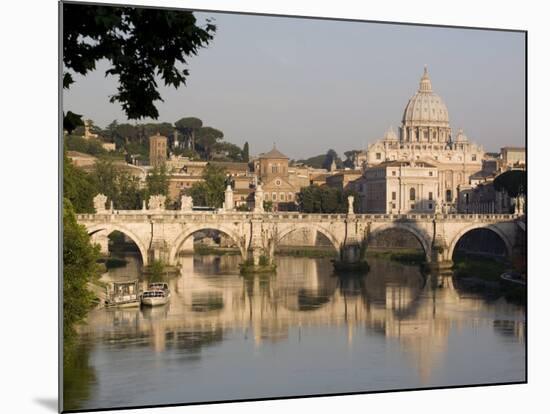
<point x="274" y="153"/>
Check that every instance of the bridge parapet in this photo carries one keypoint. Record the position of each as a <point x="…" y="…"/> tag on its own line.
<point x="138" y="215"/>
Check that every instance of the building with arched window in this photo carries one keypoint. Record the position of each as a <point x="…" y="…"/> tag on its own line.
<point x="272" y="171"/>
<point x="400" y="187"/>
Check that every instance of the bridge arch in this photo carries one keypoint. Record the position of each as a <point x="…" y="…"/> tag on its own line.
<point x="285" y="231"/>
<point x="240" y="240"/>
<point x="109" y="228"/>
<point x="493" y="227"/>
<point x="422" y="237"/>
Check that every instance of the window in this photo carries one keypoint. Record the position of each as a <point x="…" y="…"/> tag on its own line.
<point x="430" y="206"/>
<point x="467" y="197"/>
<point x="448" y="195"/>
<point x="392" y="205"/>
<point x="412" y="206"/>
<point x="474" y="157"/>
<point x="431" y="173"/>
<point x="430" y="196"/>
<point x="393" y="195"/>
<point x="393" y="173"/>
<point x="378" y="156"/>
<point x="412" y="194"/>
<point x="274" y="196"/>
<point x="282" y="196"/>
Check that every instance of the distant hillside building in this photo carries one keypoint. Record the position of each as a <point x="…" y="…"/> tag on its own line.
<point x="158" y="150"/>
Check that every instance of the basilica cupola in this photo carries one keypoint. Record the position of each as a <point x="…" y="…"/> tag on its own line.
<point x="425" y="118"/>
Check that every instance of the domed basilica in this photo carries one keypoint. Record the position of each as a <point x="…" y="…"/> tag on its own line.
<point x="425" y="135"/>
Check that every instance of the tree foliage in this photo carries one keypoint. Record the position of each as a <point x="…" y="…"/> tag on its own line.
<point x="315" y="199"/>
<point x="188" y="127"/>
<point x="139" y="43"/>
<point x="514" y="182"/>
<point x="206" y="138"/>
<point x="157" y="182"/>
<point x="210" y="192"/>
<point x="79" y="267"/>
<point x="120" y="187"/>
<point x="231" y="152"/>
<point x="87" y="146"/>
<point x="315" y="161"/>
<point x="71" y="121"/>
<point x="246" y="152"/>
<point x="350" y="155"/>
<point x="78" y="187"/>
<point x="331" y="156"/>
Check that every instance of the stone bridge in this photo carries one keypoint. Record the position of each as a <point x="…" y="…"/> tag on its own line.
<point x="162" y="234"/>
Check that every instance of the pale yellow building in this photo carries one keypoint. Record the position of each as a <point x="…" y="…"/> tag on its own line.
<point x="512" y="157"/>
<point x="400" y="187"/>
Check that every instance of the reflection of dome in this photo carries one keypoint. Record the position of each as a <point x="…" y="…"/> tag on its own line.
<point x="425" y="106"/>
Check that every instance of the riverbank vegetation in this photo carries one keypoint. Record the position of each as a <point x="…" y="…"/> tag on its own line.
<point x="79" y="268"/>
<point x="482" y="274"/>
<point x="306" y="251"/>
<point x="264" y="266"/>
<point x="404" y="256"/>
<point x="316" y="199"/>
<point x="203" y="250"/>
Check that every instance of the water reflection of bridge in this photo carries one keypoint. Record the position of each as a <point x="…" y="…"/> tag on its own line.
<point x="395" y="301"/>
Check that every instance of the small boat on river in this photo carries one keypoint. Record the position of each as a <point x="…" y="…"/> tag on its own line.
<point x="513" y="277"/>
<point x="155" y="297"/>
<point x="123" y="294"/>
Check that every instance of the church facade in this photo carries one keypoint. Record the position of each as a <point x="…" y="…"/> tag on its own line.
<point x="426" y="135"/>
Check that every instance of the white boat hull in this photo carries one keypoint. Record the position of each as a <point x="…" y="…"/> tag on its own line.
<point x="155" y="301"/>
<point x="133" y="304"/>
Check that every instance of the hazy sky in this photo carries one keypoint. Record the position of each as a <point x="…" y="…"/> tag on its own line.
<point x="310" y="85"/>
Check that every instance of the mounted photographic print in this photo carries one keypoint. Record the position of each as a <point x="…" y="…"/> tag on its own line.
<point x="260" y="207"/>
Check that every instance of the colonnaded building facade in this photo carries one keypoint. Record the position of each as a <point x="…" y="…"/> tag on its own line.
<point x="425" y="135"/>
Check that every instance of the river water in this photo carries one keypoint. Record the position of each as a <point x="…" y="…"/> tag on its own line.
<point x="302" y="331"/>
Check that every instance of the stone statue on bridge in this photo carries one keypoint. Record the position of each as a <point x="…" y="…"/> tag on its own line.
<point x="259" y="199"/>
<point x="99" y="203"/>
<point x="186" y="203"/>
<point x="437" y="207"/>
<point x="351" y="199"/>
<point x="519" y="205"/>
<point x="156" y="202"/>
<point x="228" y="204"/>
